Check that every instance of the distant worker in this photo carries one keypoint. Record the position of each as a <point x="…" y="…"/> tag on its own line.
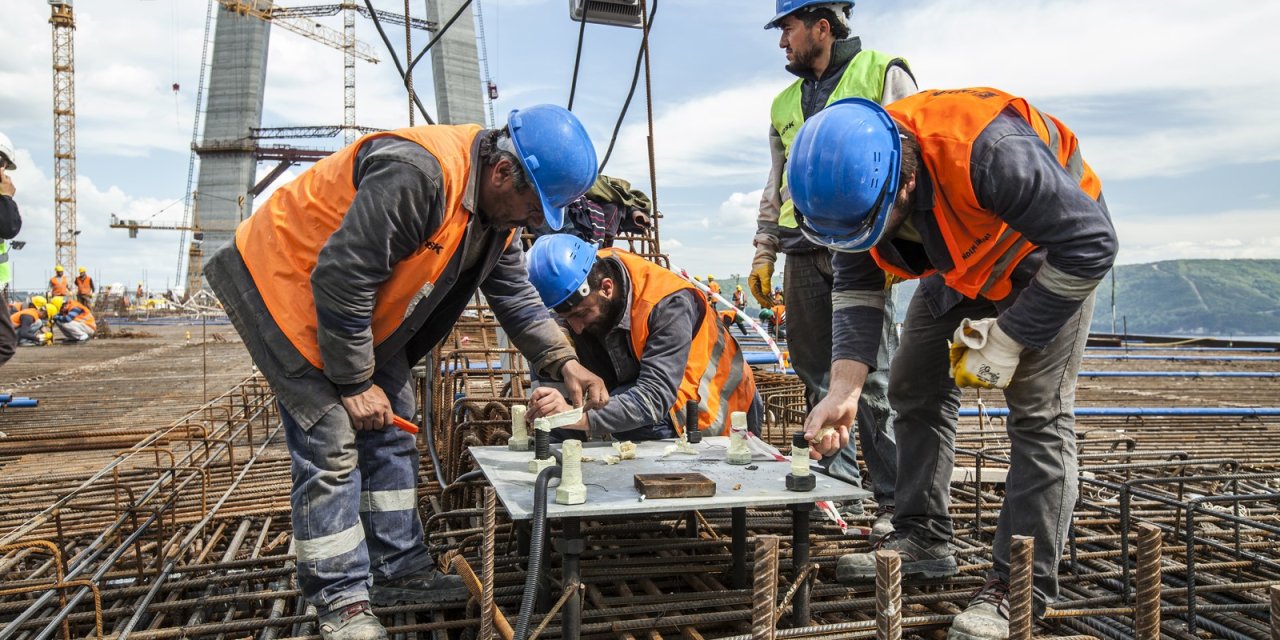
<point x="343" y="280"/>
<point x="59" y="285"/>
<point x="829" y="64"/>
<point x="85" y="288"/>
<point x="75" y="321"/>
<point x="714" y="288"/>
<point x="140" y="295"/>
<point x="733" y="316"/>
<point x="31" y="324"/>
<point x="991" y="201"/>
<point x="10" y="225"/>
<point x="650" y="334"/>
<point x="739" y="297"/>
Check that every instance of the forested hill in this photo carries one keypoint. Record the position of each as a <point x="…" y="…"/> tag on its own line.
<point x="1196" y="297"/>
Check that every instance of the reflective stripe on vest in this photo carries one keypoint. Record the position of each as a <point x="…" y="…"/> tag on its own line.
<point x="86" y="316"/>
<point x="282" y="240"/>
<point x="863" y="78"/>
<point x="983" y="248"/>
<point x="717" y="375"/>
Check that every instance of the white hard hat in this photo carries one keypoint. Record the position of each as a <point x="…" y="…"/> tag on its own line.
<point x="7" y="151"/>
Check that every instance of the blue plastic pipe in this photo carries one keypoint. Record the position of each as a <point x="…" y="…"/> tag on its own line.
<point x="20" y="402"/>
<point x="1150" y="411"/>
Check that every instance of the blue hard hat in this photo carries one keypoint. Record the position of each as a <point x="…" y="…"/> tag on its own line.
<point x="843" y="174"/>
<point x="557" y="154"/>
<point x="558" y="268"/>
<point x="788" y="7"/>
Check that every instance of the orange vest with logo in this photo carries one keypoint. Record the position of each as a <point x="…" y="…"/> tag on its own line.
<point x="983" y="248"/>
<point x="281" y="241"/>
<point x="717" y="375"/>
<point x="16" y="319"/>
<point x="84" y="285"/>
<point x="58" y="286"/>
<point x="86" y="316"/>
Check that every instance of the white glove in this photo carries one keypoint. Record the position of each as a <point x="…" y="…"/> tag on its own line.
<point x="983" y="355"/>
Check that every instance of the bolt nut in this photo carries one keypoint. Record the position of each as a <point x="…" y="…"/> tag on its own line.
<point x="801" y="483"/>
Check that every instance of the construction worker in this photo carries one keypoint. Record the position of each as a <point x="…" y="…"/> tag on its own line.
<point x="58" y="284"/>
<point x="344" y="279"/>
<point x="732" y="316"/>
<point x="830" y="64"/>
<point x="650" y="334"/>
<point x="714" y="288"/>
<point x="992" y="203"/>
<point x="74" y="320"/>
<point x="778" y="317"/>
<point x="739" y="297"/>
<point x="10" y="225"/>
<point x="29" y="324"/>
<point x="85" y="288"/>
<point x="140" y="295"/>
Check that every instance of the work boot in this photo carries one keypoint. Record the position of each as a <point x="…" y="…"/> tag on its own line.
<point x="883" y="526"/>
<point x="352" y="622"/>
<point x="935" y="561"/>
<point x="986" y="617"/>
<point x="430" y="586"/>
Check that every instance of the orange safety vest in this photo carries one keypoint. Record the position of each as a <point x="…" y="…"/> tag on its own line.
<point x="281" y="241"/>
<point x="716" y="365"/>
<point x="714" y="287"/>
<point x="779" y="312"/>
<point x="58" y="286"/>
<point x="84" y="285"/>
<point x="16" y="319"/>
<point x="728" y="315"/>
<point x="983" y="248"/>
<point x="86" y="316"/>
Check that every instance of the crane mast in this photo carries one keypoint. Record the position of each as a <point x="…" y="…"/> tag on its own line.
<point x="64" y="132"/>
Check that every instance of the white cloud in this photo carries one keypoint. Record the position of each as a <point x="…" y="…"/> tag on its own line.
<point x="1236" y="233"/>
<point x="740" y="210"/>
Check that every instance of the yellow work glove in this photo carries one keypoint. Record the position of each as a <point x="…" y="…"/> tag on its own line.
<point x="983" y="355"/>
<point x="760" y="282"/>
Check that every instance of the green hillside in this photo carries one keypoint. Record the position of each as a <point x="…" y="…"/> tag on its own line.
<point x="1195" y="297"/>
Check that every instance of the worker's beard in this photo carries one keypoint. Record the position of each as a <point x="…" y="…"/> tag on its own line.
<point x="609" y="310"/>
<point x="804" y="58"/>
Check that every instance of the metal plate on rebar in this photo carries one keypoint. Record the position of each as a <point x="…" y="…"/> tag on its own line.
<point x="611" y="489"/>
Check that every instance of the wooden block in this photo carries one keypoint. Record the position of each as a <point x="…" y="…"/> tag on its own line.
<point x="674" y="485"/>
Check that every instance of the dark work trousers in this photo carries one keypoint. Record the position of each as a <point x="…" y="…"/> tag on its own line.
<point x="8" y="335"/>
<point x="355" y="506"/>
<point x="1041" y="487"/>
<point x="806" y="283"/>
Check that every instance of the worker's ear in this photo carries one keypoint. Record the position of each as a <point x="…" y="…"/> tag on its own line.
<point x="607" y="288"/>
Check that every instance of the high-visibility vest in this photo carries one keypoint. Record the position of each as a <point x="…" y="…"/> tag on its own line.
<point x="86" y="316"/>
<point x="983" y="248"/>
<point x="717" y="375"/>
<point x="863" y="77"/>
<point x="58" y="286"/>
<point x="84" y="285"/>
<point x="779" y="313"/>
<point x="728" y="315"/>
<point x="282" y="240"/>
<point x="6" y="268"/>
<point x="16" y="318"/>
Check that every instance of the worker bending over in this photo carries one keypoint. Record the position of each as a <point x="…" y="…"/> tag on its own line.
<point x="733" y="316"/>
<point x="347" y="277"/>
<point x="990" y="201"/>
<point x="74" y="320"/>
<point x="650" y="334"/>
<point x="31" y="323"/>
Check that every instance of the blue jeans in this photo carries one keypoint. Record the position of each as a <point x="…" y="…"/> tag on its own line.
<point x="355" y="512"/>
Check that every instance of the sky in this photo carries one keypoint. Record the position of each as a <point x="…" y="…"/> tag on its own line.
<point x="1174" y="103"/>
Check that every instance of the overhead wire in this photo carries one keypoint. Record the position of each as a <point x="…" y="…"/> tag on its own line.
<point x="635" y="79"/>
<point x="577" y="57"/>
<point x="404" y="75"/>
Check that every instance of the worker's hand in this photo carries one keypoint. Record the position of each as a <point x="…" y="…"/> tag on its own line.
<point x="6" y="184"/>
<point x="983" y="355"/>
<point x="827" y="427"/>
<point x="583" y="385"/>
<point x="545" y="401"/>
<point x="369" y="409"/>
<point x="61" y="318"/>
<point x="760" y="282"/>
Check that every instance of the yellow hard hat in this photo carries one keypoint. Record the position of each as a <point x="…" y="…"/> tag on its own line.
<point x="38" y="302"/>
<point x="82" y="270"/>
<point x="51" y="310"/>
<point x="56" y="302"/>
<point x="58" y="268"/>
<point x="710" y="277"/>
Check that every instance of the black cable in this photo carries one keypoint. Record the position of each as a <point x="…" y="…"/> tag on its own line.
<point x="577" y="58"/>
<point x="635" y="79"/>
<point x="438" y="35"/>
<point x="404" y="75"/>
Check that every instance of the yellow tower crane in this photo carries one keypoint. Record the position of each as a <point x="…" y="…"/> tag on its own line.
<point x="64" y="132"/>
